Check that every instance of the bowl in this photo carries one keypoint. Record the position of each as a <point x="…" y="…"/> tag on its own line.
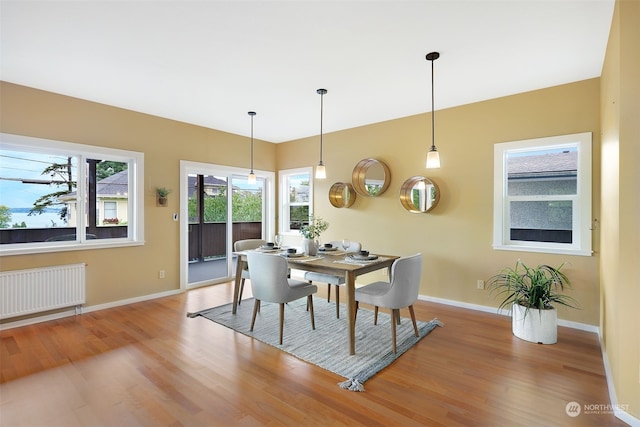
<point x="292" y="250"/>
<point x="364" y="253"/>
<point x="328" y="245"/>
<point x="271" y="244"/>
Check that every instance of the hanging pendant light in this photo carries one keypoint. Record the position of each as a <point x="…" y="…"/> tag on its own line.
<point x="433" y="157"/>
<point x="321" y="172"/>
<point x="252" y="176"/>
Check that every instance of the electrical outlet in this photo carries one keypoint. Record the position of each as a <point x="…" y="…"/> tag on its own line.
<point x="480" y="284"/>
<point x="161" y="274"/>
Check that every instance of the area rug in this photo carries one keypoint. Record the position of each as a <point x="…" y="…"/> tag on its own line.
<point x="327" y="345"/>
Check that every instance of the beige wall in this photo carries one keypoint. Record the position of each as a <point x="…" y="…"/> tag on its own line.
<point x="620" y="287"/>
<point x="456" y="237"/>
<point x="122" y="273"/>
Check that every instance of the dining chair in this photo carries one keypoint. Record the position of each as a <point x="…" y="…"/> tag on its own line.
<point x="245" y="245"/>
<point x="401" y="291"/>
<point x="329" y="279"/>
<point x="270" y="283"/>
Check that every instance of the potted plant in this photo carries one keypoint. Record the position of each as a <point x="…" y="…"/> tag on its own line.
<point x="161" y="195"/>
<point x="311" y="232"/>
<point x="530" y="293"/>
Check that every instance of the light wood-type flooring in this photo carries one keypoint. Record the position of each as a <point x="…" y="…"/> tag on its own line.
<point x="147" y="364"/>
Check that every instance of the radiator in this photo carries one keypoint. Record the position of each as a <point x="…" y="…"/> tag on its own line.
<point x="36" y="290"/>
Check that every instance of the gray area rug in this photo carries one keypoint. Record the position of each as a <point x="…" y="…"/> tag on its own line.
<point x="327" y="345"/>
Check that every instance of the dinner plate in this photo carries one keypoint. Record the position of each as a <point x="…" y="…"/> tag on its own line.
<point x="327" y="249"/>
<point x="269" y="248"/>
<point x="296" y="255"/>
<point x="363" y="258"/>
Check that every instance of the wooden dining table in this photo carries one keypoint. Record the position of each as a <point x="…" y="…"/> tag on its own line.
<point x="329" y="263"/>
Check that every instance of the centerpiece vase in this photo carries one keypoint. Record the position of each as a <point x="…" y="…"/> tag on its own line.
<point x="310" y="247"/>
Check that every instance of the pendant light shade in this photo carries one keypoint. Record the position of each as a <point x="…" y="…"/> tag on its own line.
<point x="321" y="172"/>
<point x="433" y="157"/>
<point x="252" y="176"/>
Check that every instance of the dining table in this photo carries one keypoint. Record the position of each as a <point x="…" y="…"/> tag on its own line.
<point x="336" y="263"/>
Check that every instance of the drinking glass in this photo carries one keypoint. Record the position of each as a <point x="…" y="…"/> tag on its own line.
<point x="345" y="244"/>
<point x="278" y="240"/>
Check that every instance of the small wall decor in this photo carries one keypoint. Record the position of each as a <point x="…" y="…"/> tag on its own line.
<point x="161" y="196"/>
<point x="419" y="194"/>
<point x="371" y="177"/>
<point x="342" y="195"/>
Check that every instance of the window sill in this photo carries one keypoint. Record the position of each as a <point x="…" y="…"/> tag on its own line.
<point x="547" y="250"/>
<point x="30" y="249"/>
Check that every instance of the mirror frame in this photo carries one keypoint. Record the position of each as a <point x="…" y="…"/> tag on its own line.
<point x="360" y="173"/>
<point x="336" y="195"/>
<point x="406" y="196"/>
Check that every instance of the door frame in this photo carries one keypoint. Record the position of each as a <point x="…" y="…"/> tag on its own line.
<point x="268" y="220"/>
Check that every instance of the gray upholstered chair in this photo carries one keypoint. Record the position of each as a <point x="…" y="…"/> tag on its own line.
<point x="336" y="281"/>
<point x="402" y="291"/>
<point x="269" y="283"/>
<point x="246" y="245"/>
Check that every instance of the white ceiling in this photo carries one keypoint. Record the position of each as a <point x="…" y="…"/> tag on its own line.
<point x="210" y="62"/>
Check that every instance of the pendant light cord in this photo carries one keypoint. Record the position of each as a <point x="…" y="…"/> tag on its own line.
<point x="433" y="112"/>
<point x="252" y="113"/>
<point x="322" y="92"/>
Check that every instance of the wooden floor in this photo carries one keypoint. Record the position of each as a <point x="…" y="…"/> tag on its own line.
<point x="147" y="364"/>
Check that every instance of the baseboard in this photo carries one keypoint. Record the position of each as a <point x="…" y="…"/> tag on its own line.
<point x="619" y="410"/>
<point x="87" y="309"/>
<point x="574" y="325"/>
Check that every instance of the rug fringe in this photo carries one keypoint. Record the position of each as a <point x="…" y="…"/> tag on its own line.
<point x="351" y="384"/>
<point x="438" y="322"/>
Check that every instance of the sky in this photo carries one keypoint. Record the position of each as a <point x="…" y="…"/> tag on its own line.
<point x="16" y="194"/>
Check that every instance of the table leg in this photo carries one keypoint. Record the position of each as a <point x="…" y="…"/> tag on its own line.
<point x="236" y="286"/>
<point x="350" y="280"/>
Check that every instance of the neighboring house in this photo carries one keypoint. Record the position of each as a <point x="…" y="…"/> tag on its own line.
<point x="111" y="201"/>
<point x="537" y="177"/>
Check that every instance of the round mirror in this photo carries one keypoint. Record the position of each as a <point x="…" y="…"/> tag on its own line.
<point x="371" y="177"/>
<point x="341" y="195"/>
<point x="419" y="194"/>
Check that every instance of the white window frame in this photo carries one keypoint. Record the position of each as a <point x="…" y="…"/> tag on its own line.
<point x="581" y="222"/>
<point x="135" y="225"/>
<point x="283" y="179"/>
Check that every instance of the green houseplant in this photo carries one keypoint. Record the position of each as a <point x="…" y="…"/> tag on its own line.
<point x="311" y="233"/>
<point x="531" y="293"/>
<point x="161" y="195"/>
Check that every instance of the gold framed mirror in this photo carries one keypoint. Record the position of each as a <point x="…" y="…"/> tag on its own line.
<point x="371" y="177"/>
<point x="342" y="195"/>
<point x="419" y="194"/>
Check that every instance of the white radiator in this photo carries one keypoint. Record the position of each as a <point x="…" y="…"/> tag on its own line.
<point x="41" y="289"/>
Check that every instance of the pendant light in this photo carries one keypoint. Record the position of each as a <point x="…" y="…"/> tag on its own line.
<point x="433" y="157"/>
<point x="252" y="176"/>
<point x="321" y="172"/>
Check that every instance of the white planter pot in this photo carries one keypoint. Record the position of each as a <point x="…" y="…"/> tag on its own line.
<point x="539" y="326"/>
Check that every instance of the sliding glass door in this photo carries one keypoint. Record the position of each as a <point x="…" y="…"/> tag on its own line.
<point x="221" y="208"/>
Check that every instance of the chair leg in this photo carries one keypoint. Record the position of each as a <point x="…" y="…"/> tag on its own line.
<point x="398" y="316"/>
<point x="281" y="321"/>
<point x="337" y="301"/>
<point x="413" y="319"/>
<point x="375" y="315"/>
<point x="394" y="312"/>
<point x="256" y="308"/>
<point x="310" y="304"/>
<point x="241" y="289"/>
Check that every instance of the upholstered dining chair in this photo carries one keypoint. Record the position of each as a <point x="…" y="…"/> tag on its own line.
<point x="269" y="283"/>
<point x="246" y="245"/>
<point x="402" y="291"/>
<point x="336" y="281"/>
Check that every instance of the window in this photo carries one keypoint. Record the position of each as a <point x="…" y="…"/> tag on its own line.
<point x="542" y="195"/>
<point x="58" y="196"/>
<point x="296" y="195"/>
